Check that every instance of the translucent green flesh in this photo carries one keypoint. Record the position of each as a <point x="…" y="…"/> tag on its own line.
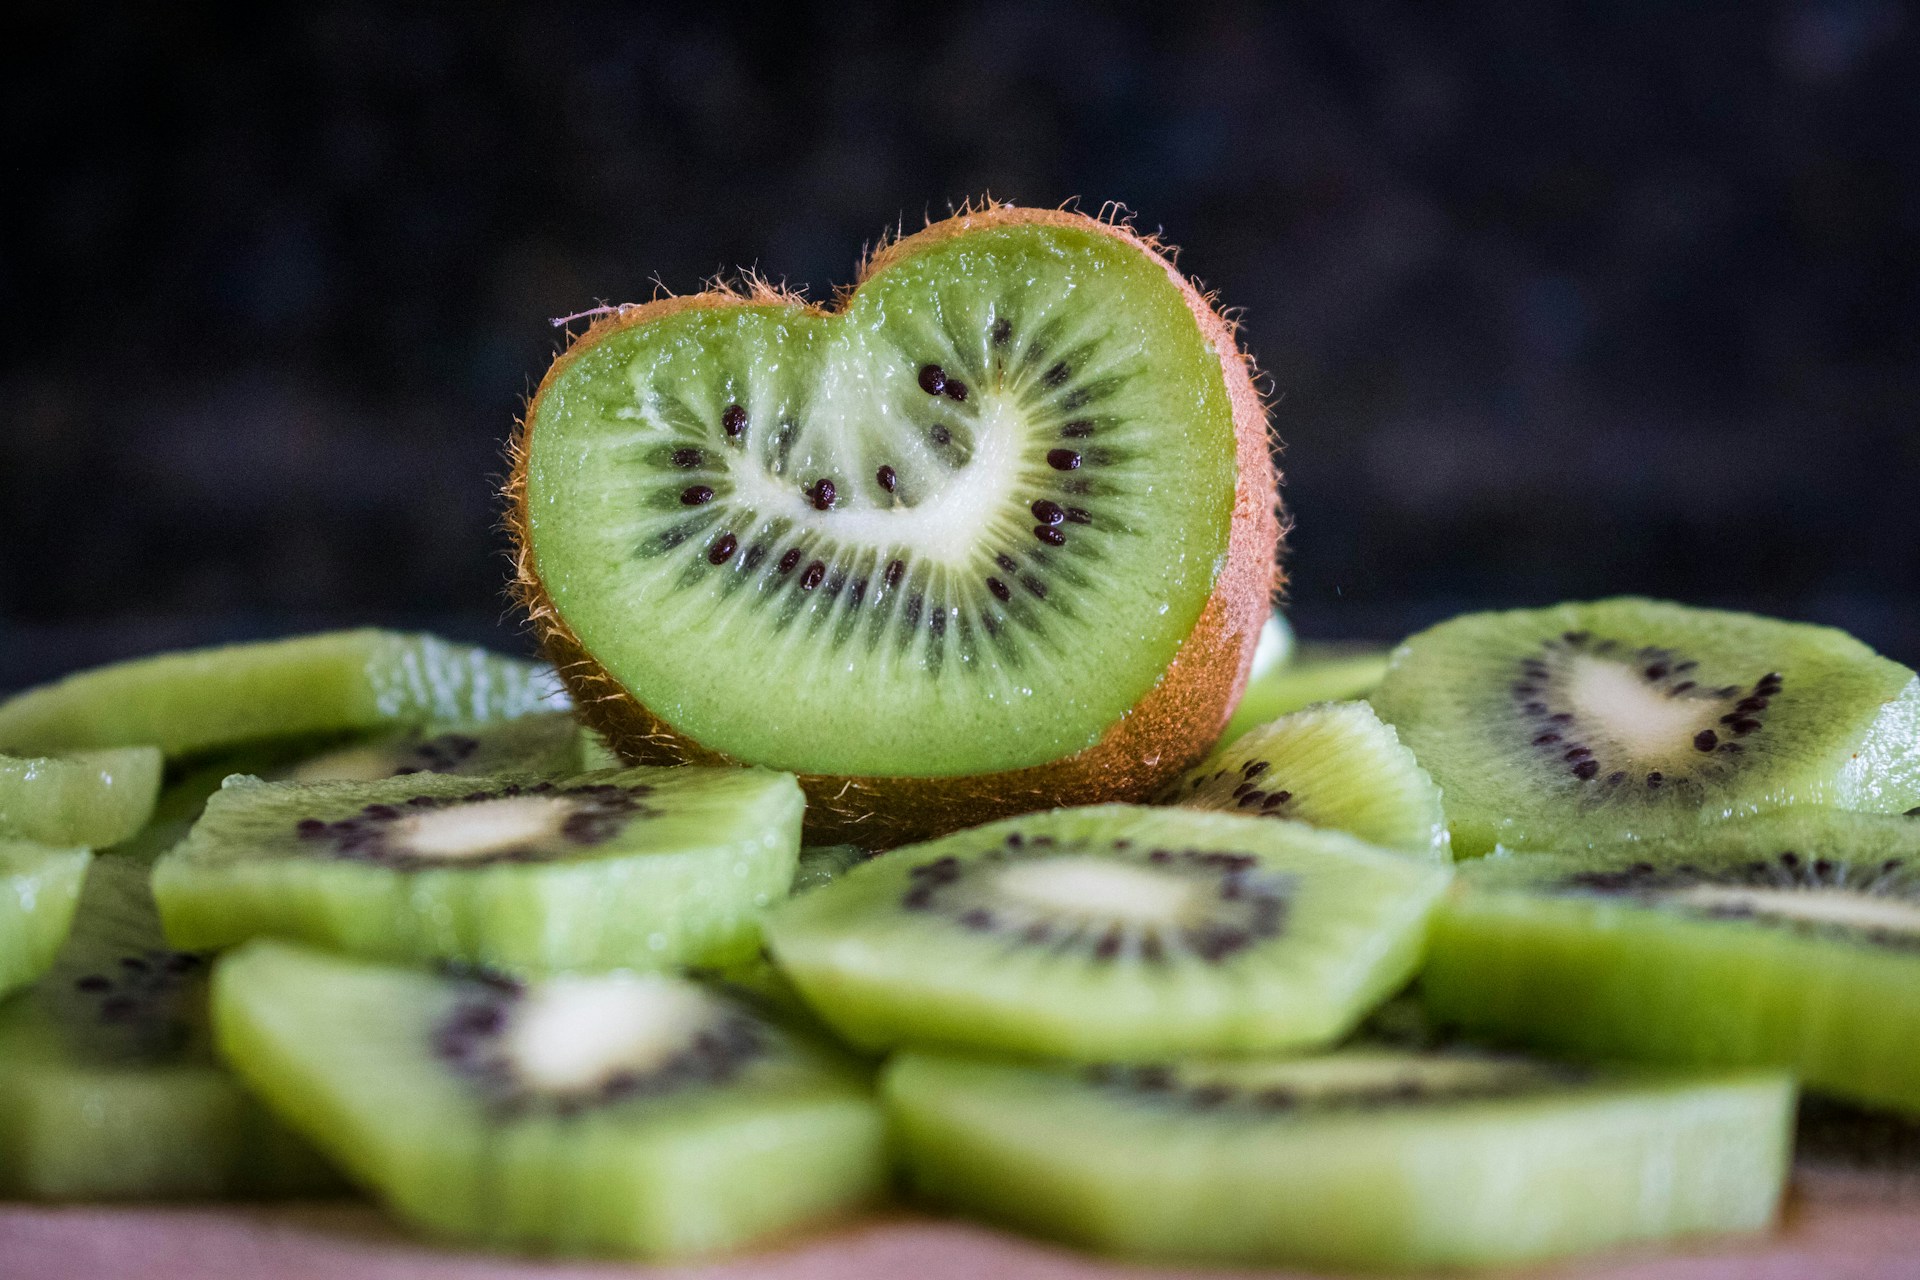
<point x="1843" y="729"/>
<point x="935" y="673"/>
<point x="206" y="699"/>
<point x="342" y="1052"/>
<point x="823" y="864"/>
<point x="1318" y="673"/>
<point x="1415" y="1185"/>
<point x="1333" y="766"/>
<point x="683" y="884"/>
<point x="92" y="798"/>
<point x="550" y="745"/>
<point x="883" y="975"/>
<point x="39" y="889"/>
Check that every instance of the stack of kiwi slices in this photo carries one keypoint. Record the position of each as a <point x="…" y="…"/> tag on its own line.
<point x="928" y="804"/>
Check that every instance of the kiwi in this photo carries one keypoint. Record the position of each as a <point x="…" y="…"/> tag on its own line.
<point x="1333" y="765"/>
<point x="822" y="864"/>
<point x="1312" y="673"/>
<point x="108" y="1086"/>
<point x="550" y="745"/>
<point x="206" y="699"/>
<point x="1627" y="718"/>
<point x="996" y="532"/>
<point x="39" y="889"/>
<point x="92" y="798"/>
<point x="1115" y="931"/>
<point x="641" y="868"/>
<point x="614" y="1113"/>
<point x="1364" y="1158"/>
<point x="1789" y="939"/>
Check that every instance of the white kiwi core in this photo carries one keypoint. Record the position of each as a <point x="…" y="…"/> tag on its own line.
<point x="481" y="829"/>
<point x="573" y="1035"/>
<point x="1096" y="889"/>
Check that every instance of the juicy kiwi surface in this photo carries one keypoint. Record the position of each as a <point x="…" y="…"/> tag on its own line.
<point x="39" y="889"/>
<point x="548" y="745"/>
<point x="92" y="798"/>
<point x="1311" y="673"/>
<point x="641" y="868"/>
<point x="1631" y="718"/>
<point x="936" y="550"/>
<point x="621" y="1113"/>
<point x="1333" y="765"/>
<point x="1365" y="1158"/>
<point x="1788" y="939"/>
<point x="1113" y="931"/>
<point x="207" y="699"/>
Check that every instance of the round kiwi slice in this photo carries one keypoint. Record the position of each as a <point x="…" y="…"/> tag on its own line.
<point x="551" y="745"/>
<point x="1312" y="673"/>
<point x="1365" y="1158"/>
<point x="335" y="682"/>
<point x="639" y="868"/>
<point x="1113" y="931"/>
<point x="1787" y="939"/>
<point x="616" y="1113"/>
<point x="39" y="889"/>
<point x="1631" y="718"/>
<point x="998" y="531"/>
<point x="1333" y="765"/>
<point x="94" y="798"/>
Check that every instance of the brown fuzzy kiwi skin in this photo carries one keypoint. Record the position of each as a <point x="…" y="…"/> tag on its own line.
<point x="1172" y="725"/>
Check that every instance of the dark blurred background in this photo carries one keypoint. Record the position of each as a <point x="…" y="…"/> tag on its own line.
<point x="1555" y="300"/>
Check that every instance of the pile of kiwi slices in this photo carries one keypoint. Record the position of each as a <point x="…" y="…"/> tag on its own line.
<point x="922" y="801"/>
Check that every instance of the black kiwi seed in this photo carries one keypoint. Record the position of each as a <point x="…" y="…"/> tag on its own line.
<point x="955" y="390"/>
<point x="1058" y="374"/>
<point x="1048" y="512"/>
<point x="999" y="589"/>
<point x="733" y="420"/>
<point x="722" y="549"/>
<point x="688" y="458"/>
<point x="811" y="576"/>
<point x="1705" y="740"/>
<point x="1063" y="459"/>
<point x="1050" y="535"/>
<point x="789" y="560"/>
<point x="933" y="379"/>
<point x="695" y="494"/>
<point x="822" y="494"/>
<point x="887" y="477"/>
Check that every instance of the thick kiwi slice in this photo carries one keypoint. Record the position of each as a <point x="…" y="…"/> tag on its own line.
<point x="39" y="889"/>
<point x="1790" y="939"/>
<point x="641" y="868"/>
<point x="551" y="745"/>
<point x="205" y="699"/>
<point x="1333" y="765"/>
<point x="622" y="1113"/>
<point x="1313" y="673"/>
<point x="108" y="1086"/>
<point x="1631" y="718"/>
<point x="920" y="543"/>
<point x="1366" y="1158"/>
<point x="94" y="798"/>
<point x="1111" y="932"/>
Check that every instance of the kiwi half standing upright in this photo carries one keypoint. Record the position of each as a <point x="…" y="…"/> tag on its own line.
<point x="995" y="532"/>
<point x="1626" y="719"/>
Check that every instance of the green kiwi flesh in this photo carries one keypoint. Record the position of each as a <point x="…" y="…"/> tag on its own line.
<point x="1789" y="939"/>
<point x="635" y="868"/>
<point x="1110" y="932"/>
<point x="1362" y="1159"/>
<point x="1311" y="673"/>
<point x="334" y="682"/>
<point x="548" y="745"/>
<point x="39" y="890"/>
<point x="644" y="1115"/>
<point x="822" y="864"/>
<point x="92" y="798"/>
<point x="1333" y="765"/>
<point x="1627" y="718"/>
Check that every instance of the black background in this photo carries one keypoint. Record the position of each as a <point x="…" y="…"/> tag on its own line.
<point x="1554" y="302"/>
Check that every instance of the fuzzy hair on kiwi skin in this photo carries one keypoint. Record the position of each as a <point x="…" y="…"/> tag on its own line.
<point x="1172" y="725"/>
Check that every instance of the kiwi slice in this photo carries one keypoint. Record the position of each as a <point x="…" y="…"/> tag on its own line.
<point x="1333" y="765"/>
<point x="204" y="699"/>
<point x="641" y="868"/>
<point x="108" y="1086"/>
<point x="550" y="745"/>
<point x="94" y="798"/>
<point x="1365" y="1158"/>
<point x="619" y="1113"/>
<point x="1115" y="931"/>
<point x="822" y="864"/>
<point x="1790" y="938"/>
<point x="39" y="889"/>
<point x="1630" y="718"/>
<point x="935" y="550"/>
<point x="1313" y="673"/>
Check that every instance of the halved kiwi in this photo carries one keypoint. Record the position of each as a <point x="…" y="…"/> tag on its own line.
<point x="550" y="745"/>
<point x="1365" y="1158"/>
<point x="1312" y="673"/>
<point x="1788" y="939"/>
<point x="39" y="889"/>
<point x="624" y="1113"/>
<point x="1555" y="728"/>
<point x="92" y="798"/>
<point x="1110" y="932"/>
<point x="206" y="699"/>
<point x="640" y="868"/>
<point x="996" y="532"/>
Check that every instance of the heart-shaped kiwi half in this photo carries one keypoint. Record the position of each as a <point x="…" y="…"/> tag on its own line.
<point x="996" y="531"/>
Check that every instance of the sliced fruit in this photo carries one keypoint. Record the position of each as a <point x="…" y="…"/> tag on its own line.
<point x="621" y="1113"/>
<point x="1314" y="673"/>
<point x="639" y="868"/>
<point x="551" y="745"/>
<point x="1333" y="765"/>
<point x="1790" y="939"/>
<point x="1111" y="932"/>
<point x="1624" y="719"/>
<point x="92" y="798"/>
<point x="335" y="682"/>
<point x="822" y="864"/>
<point x="39" y="889"/>
<point x="922" y="549"/>
<point x="1367" y="1159"/>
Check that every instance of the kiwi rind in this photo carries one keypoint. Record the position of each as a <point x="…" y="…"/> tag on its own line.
<point x="1313" y="673"/>
<point x="1171" y="725"/>
<point x="39" y="891"/>
<point x="92" y="798"/>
